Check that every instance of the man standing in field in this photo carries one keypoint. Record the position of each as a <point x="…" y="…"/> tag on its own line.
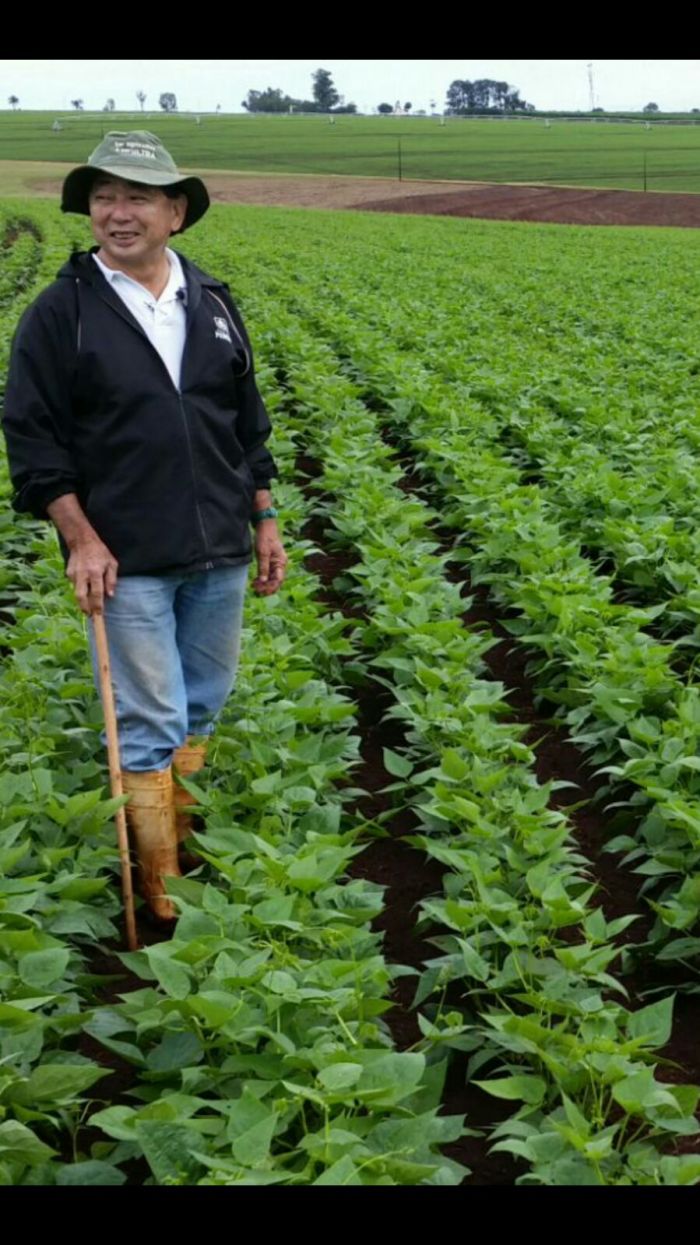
<point x="134" y="423"/>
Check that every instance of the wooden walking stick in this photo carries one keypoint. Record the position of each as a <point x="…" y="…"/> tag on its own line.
<point x="115" y="775"/>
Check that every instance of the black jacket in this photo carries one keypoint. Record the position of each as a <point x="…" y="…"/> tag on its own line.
<point x="166" y="478"/>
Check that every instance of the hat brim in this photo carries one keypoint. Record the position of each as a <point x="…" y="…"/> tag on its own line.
<point x="75" y="196"/>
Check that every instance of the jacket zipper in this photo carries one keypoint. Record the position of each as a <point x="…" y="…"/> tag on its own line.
<point x="208" y="566"/>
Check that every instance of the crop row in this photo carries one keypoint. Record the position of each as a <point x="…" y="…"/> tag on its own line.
<point x="538" y="1007"/>
<point x="599" y="405"/>
<point x="595" y="393"/>
<point x="616" y="686"/>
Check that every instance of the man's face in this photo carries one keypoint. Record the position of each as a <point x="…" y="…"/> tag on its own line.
<point x="132" y="222"/>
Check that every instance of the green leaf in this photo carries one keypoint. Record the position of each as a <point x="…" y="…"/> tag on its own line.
<point x="407" y="1172"/>
<point x="253" y="1147"/>
<point x="304" y="1091"/>
<point x="116" y="1122"/>
<point x="392" y="1077"/>
<point x="339" y="1076"/>
<point x="298" y="796"/>
<point x="268" y="784"/>
<point x="214" y="1007"/>
<point x="19" y="1145"/>
<point x="214" y="901"/>
<point x="194" y="925"/>
<point x="90" y="1172"/>
<point x="175" y="1051"/>
<point x="57" y="1083"/>
<point x="168" y="1149"/>
<point x="40" y="968"/>
<point x="277" y="910"/>
<point x="127" y="1050"/>
<point x="681" y="1169"/>
<point x="639" y="1093"/>
<point x="687" y="1097"/>
<point x="454" y="765"/>
<point x="279" y="982"/>
<point x="343" y="1172"/>
<point x="474" y="964"/>
<point x="575" y="1118"/>
<point x="172" y="976"/>
<point x="244" y="1113"/>
<point x="397" y="765"/>
<point x="679" y="949"/>
<point x="653" y="1023"/>
<point x="530" y="1089"/>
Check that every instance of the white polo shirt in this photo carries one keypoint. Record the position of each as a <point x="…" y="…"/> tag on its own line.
<point x="163" y="319"/>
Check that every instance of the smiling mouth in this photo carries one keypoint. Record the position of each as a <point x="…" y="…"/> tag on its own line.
<point x="123" y="236"/>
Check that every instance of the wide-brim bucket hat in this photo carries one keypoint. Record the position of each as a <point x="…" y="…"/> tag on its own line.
<point x="133" y="156"/>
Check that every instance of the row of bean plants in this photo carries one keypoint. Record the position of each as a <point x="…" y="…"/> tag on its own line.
<point x="538" y="1006"/>
<point x="621" y="697"/>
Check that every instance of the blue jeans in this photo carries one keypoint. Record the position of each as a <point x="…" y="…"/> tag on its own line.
<point x="174" y="642"/>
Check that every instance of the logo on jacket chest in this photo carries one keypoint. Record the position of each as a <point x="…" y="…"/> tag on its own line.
<point x="221" y="330"/>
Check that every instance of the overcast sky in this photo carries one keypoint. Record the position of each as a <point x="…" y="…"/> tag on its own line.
<point x="201" y="85"/>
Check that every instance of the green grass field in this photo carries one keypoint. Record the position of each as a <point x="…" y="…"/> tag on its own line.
<point x="607" y="154"/>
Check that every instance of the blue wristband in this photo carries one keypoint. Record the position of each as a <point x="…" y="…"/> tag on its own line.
<point x="258" y="515"/>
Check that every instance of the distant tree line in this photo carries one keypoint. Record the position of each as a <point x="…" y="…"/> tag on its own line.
<point x="484" y="96"/>
<point x="325" y="98"/>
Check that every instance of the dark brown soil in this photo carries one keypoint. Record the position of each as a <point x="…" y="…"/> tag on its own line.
<point x="558" y="204"/>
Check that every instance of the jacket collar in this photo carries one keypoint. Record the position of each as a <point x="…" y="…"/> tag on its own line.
<point x="81" y="267"/>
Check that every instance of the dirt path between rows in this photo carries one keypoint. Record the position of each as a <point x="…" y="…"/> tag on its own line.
<point x="556" y="204"/>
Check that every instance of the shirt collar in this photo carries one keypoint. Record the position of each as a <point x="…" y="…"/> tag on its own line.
<point x="176" y="280"/>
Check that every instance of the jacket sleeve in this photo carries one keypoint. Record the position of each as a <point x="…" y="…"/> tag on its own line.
<point x="253" y="427"/>
<point x="37" y="410"/>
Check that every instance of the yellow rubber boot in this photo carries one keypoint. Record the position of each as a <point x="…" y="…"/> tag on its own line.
<point x="150" y="815"/>
<point x="187" y="760"/>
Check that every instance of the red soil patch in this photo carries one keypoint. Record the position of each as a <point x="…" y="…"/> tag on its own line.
<point x="556" y="204"/>
<point x="559" y="204"/>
